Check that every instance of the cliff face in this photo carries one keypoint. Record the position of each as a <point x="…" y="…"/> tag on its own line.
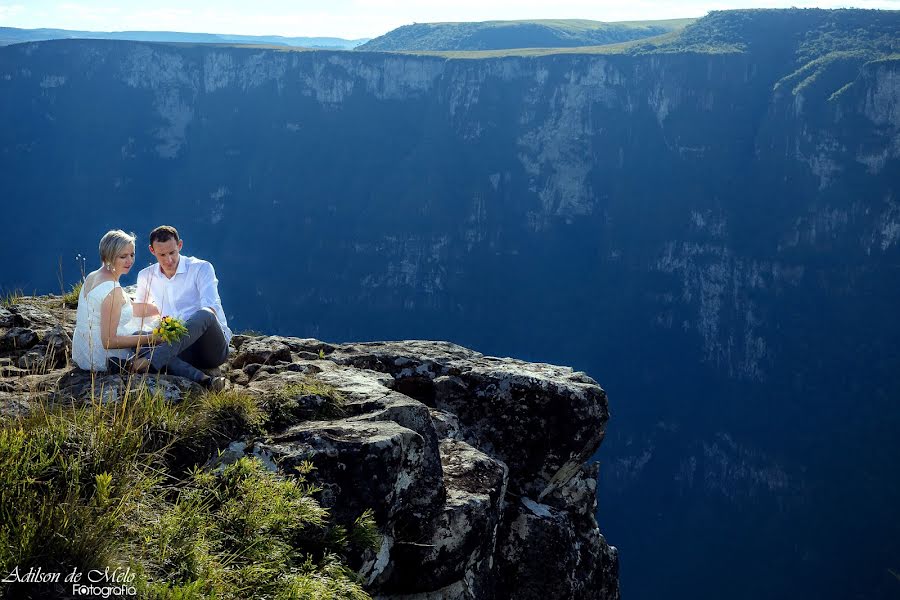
<point x="473" y="466"/>
<point x="714" y="234"/>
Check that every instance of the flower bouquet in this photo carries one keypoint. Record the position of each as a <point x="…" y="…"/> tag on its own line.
<point x="170" y="329"/>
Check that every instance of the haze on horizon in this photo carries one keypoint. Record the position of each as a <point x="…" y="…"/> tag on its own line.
<point x="352" y="19"/>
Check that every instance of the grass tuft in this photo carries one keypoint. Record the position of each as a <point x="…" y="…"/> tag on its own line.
<point x="11" y="297"/>
<point x="309" y="399"/>
<point x="70" y="299"/>
<point x="210" y="421"/>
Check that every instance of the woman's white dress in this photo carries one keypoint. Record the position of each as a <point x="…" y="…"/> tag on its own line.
<point x="87" y="348"/>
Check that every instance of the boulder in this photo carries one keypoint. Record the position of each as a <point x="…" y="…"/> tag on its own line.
<point x="427" y="492"/>
<point x="36" y="313"/>
<point x="13" y="405"/>
<point x="13" y="371"/>
<point x="10" y="319"/>
<point x="360" y="465"/>
<point x="260" y="351"/>
<point x="500" y="403"/>
<point x="17" y="339"/>
<point x="542" y="421"/>
<point x="368" y="398"/>
<point x="457" y="546"/>
<point x="59" y="345"/>
<point x="446" y="425"/>
<point x="548" y="553"/>
<point x="81" y="386"/>
<point x="35" y="360"/>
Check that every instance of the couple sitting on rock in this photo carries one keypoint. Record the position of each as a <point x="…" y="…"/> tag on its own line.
<point x="110" y="328"/>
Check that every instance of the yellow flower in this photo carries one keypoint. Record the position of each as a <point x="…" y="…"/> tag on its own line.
<point x="170" y="329"/>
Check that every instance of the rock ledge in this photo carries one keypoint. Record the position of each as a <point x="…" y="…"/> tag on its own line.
<point x="474" y="466"/>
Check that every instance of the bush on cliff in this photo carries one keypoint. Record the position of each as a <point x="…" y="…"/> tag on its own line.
<point x="95" y="486"/>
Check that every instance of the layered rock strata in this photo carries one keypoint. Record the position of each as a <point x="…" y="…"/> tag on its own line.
<point x="474" y="466"/>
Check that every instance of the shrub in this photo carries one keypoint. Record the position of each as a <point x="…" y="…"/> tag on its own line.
<point x="70" y="299"/>
<point x="235" y="533"/>
<point x="93" y="486"/>
<point x="211" y="421"/>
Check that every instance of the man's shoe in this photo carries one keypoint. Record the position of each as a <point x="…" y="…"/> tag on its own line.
<point x="138" y="364"/>
<point x="215" y="384"/>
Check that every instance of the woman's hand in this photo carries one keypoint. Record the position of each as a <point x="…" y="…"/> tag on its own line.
<point x="144" y="309"/>
<point x="150" y="339"/>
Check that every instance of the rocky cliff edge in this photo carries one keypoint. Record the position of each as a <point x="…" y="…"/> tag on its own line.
<point x="475" y="466"/>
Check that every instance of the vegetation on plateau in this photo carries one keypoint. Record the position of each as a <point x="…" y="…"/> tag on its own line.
<point x="499" y="35"/>
<point x="807" y="34"/>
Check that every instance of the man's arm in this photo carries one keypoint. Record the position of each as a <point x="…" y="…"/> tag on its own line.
<point x="208" y="288"/>
<point x="143" y="305"/>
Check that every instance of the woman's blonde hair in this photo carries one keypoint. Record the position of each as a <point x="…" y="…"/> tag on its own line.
<point x="112" y="243"/>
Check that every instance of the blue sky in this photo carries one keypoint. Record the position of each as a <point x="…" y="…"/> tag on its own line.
<point x="351" y="18"/>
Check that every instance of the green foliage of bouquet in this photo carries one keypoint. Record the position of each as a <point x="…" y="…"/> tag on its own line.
<point x="170" y="329"/>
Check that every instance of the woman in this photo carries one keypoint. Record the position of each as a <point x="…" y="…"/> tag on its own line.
<point x="103" y="329"/>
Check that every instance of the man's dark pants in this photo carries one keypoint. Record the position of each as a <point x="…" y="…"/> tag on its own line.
<point x="204" y="347"/>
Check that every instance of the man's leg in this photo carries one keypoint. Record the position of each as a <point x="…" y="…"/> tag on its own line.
<point x="166" y="356"/>
<point x="211" y="349"/>
<point x="176" y="366"/>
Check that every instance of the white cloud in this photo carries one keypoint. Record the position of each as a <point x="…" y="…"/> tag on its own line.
<point x="8" y="11"/>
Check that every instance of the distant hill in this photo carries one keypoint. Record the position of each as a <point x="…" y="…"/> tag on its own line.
<point x="12" y="35"/>
<point x="816" y="39"/>
<point x="497" y="35"/>
<point x="810" y="33"/>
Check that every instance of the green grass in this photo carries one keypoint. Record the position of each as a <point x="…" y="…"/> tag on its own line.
<point x="243" y="532"/>
<point x="11" y="297"/>
<point x="71" y="477"/>
<point x="70" y="299"/>
<point x="310" y="399"/>
<point x="122" y="485"/>
<point x="202" y="424"/>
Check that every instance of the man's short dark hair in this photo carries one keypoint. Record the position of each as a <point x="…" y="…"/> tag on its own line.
<point x="164" y="233"/>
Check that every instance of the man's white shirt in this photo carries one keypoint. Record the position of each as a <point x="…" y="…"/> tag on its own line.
<point x="193" y="287"/>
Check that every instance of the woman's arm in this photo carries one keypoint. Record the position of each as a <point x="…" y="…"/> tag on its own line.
<point x="110" y="312"/>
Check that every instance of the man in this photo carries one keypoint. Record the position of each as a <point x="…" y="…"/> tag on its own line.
<point x="187" y="288"/>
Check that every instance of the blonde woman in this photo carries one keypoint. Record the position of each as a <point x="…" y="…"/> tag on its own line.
<point x="103" y="328"/>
